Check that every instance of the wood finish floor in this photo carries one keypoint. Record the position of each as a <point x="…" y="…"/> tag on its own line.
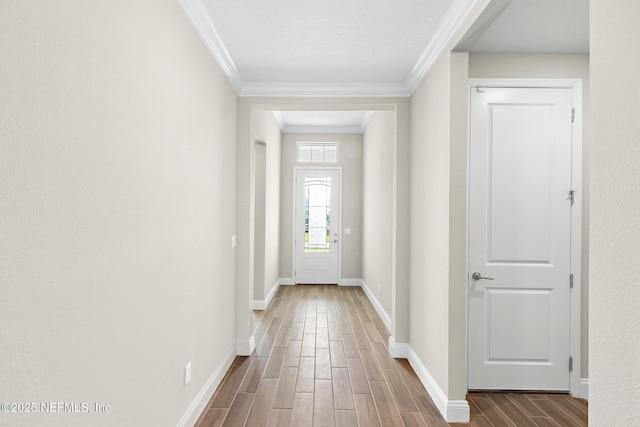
<point x="322" y="360"/>
<point x="520" y="409"/>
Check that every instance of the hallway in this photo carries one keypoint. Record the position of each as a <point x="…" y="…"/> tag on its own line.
<point x="322" y="360"/>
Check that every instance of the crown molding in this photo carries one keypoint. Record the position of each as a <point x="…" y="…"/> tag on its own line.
<point x="324" y="90"/>
<point x="199" y="18"/>
<point x="451" y="23"/>
<point x="321" y="129"/>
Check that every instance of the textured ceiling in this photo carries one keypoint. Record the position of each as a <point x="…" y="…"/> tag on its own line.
<point x="329" y="41"/>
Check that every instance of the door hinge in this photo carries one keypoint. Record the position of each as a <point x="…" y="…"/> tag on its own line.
<point x="571" y="281"/>
<point x="571" y="196"/>
<point x="570" y="364"/>
<point x="479" y="89"/>
<point x="573" y="115"/>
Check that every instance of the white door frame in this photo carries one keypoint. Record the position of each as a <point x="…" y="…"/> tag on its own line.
<point x="293" y="215"/>
<point x="575" y="85"/>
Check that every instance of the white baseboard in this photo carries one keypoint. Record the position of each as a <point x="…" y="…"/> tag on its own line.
<point x="202" y="398"/>
<point x="263" y="304"/>
<point x="376" y="304"/>
<point x="245" y="348"/>
<point x="351" y="282"/>
<point x="286" y="281"/>
<point x="453" y="411"/>
<point x="398" y="350"/>
<point x="583" y="392"/>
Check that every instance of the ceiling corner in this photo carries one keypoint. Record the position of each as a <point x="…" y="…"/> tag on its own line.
<point x="365" y="121"/>
<point x="451" y="23"/>
<point x="204" y="27"/>
<point x="277" y="115"/>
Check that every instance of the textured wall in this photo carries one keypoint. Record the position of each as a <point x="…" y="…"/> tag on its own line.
<point x="614" y="370"/>
<point x="377" y="206"/>
<point x="430" y="140"/>
<point x="259" y="233"/>
<point x="117" y="195"/>
<point x="266" y="129"/>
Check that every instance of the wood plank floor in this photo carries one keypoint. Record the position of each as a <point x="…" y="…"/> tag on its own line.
<point x="322" y="360"/>
<point x="520" y="409"/>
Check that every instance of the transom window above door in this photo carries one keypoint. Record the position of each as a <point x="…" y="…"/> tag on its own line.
<point x="317" y="152"/>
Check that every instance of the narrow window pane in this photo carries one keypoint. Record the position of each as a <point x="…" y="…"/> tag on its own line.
<point x="304" y="153"/>
<point x="330" y="154"/>
<point x="317" y="153"/>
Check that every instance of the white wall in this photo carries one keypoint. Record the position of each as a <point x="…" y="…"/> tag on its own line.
<point x="614" y="368"/>
<point x="350" y="159"/>
<point x="557" y="66"/>
<point x="377" y="206"/>
<point x="117" y="187"/>
<point x="265" y="129"/>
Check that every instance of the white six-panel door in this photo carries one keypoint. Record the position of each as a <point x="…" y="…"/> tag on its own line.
<point x="317" y="225"/>
<point x="519" y="239"/>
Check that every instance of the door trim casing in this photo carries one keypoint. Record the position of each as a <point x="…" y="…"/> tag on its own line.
<point x="575" y="85"/>
<point x="337" y="169"/>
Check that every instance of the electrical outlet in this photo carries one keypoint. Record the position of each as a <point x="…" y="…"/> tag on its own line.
<point x="234" y="241"/>
<point x="187" y="374"/>
<point x="379" y="288"/>
<point x="347" y="231"/>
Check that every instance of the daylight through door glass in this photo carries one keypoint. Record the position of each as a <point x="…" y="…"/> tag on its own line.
<point x="317" y="214"/>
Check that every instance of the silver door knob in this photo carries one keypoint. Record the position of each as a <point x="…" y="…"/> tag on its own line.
<point x="478" y="276"/>
<point x="335" y="241"/>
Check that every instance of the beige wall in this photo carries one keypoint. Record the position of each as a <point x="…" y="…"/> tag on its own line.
<point x="377" y="206"/>
<point x="553" y="67"/>
<point x="265" y="129"/>
<point x="118" y="143"/>
<point x="614" y="368"/>
<point x="259" y="235"/>
<point x="350" y="160"/>
<point x="438" y="223"/>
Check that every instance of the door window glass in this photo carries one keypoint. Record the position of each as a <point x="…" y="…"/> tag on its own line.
<point x="317" y="214"/>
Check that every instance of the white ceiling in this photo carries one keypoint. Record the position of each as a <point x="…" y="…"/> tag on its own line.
<point x="369" y="47"/>
<point x="329" y="41"/>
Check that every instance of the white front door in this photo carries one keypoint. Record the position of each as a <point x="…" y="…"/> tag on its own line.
<point x="519" y="239"/>
<point x="317" y="225"/>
